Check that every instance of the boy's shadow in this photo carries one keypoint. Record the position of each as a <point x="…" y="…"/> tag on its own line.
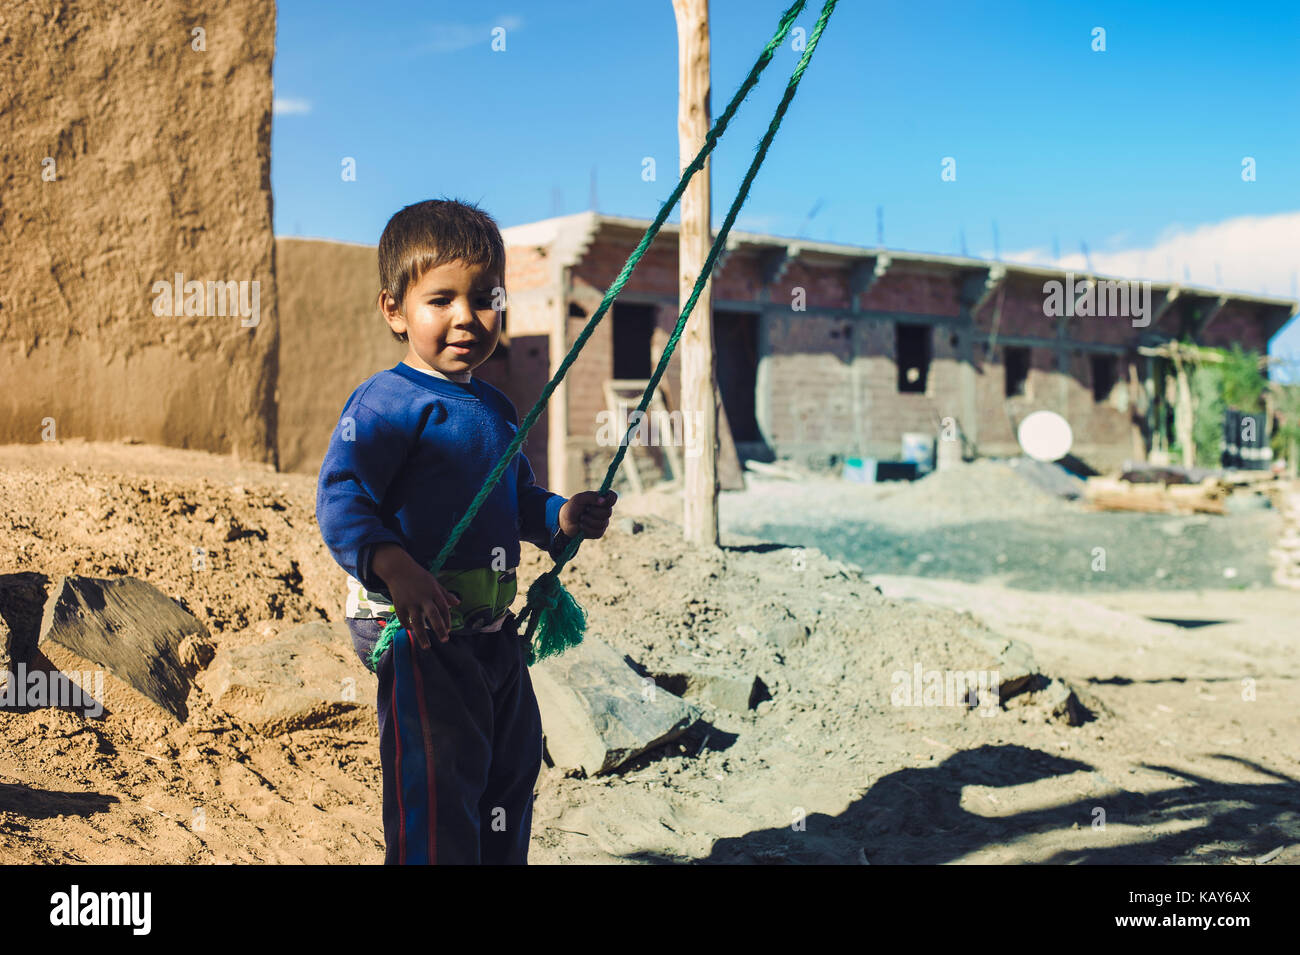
<point x="916" y="813"/>
<point x="911" y="815"/>
<point x="915" y="816"/>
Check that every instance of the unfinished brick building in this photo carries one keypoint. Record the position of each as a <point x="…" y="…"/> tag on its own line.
<point x="823" y="351"/>
<point x="826" y="351"/>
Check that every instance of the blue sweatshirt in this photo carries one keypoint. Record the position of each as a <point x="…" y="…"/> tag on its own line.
<point x="409" y="454"/>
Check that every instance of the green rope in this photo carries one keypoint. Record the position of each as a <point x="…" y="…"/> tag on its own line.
<point x="557" y="619"/>
<point x="556" y="624"/>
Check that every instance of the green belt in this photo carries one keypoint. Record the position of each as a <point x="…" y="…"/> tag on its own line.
<point x="484" y="594"/>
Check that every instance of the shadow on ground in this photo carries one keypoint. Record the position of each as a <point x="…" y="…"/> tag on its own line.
<point x="915" y="816"/>
<point x="34" y="803"/>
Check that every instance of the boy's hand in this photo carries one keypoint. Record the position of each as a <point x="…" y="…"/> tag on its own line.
<point x="587" y="514"/>
<point x="421" y="603"/>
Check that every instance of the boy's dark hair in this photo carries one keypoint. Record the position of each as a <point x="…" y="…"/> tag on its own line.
<point x="428" y="234"/>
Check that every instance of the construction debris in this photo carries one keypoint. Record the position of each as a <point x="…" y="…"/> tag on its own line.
<point x="1114" y="494"/>
<point x="1022" y="684"/>
<point x="1138" y="473"/>
<point x="785" y="472"/>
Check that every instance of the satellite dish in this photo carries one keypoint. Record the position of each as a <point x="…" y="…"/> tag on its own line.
<point x="1045" y="436"/>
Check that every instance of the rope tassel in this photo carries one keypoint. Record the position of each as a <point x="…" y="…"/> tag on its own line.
<point x="555" y="620"/>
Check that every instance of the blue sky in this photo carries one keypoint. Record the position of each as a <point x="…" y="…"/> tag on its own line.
<point x="1136" y="151"/>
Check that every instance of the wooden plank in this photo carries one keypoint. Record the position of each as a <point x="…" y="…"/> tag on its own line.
<point x="729" y="469"/>
<point x="1109" y="494"/>
<point x="629" y="460"/>
<point x="659" y="422"/>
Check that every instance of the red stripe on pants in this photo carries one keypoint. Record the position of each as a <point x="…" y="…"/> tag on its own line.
<point x="431" y="778"/>
<point x="401" y="812"/>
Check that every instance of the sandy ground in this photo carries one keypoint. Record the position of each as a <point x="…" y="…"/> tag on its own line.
<point x="1193" y="754"/>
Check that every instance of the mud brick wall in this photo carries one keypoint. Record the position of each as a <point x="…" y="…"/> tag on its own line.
<point x="332" y="338"/>
<point x="807" y="364"/>
<point x="127" y="156"/>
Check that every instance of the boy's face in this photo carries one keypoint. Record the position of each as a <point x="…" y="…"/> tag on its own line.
<point x="448" y="317"/>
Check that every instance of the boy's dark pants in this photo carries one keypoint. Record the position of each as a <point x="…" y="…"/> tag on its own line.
<point x="486" y="746"/>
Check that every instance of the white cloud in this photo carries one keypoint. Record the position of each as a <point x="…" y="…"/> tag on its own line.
<point x="287" y="106"/>
<point x="1254" y="254"/>
<point x="451" y="37"/>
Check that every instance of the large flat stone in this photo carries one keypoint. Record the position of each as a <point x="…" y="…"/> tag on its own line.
<point x="597" y="712"/>
<point x="130" y="628"/>
<point x="307" y="676"/>
<point x="1017" y="669"/>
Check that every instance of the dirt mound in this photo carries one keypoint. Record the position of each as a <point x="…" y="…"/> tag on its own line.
<point x="233" y="545"/>
<point x="985" y="489"/>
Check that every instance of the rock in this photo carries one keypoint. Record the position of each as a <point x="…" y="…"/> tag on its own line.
<point x="308" y="676"/>
<point x="597" y="712"/>
<point x="1063" y="704"/>
<point x="726" y="689"/>
<point x="130" y="628"/>
<point x="786" y="634"/>
<point x="847" y="569"/>
<point x="195" y="653"/>
<point x="22" y="601"/>
<point x="1056" y="701"/>
<point x="1017" y="669"/>
<point x="228" y="527"/>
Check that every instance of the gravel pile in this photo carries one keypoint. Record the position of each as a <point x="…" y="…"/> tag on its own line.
<point x="996" y="520"/>
<point x="982" y="490"/>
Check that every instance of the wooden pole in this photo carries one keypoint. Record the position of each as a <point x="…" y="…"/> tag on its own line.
<point x="1136" y="417"/>
<point x="699" y="391"/>
<point x="1183" y="420"/>
<point x="560" y="476"/>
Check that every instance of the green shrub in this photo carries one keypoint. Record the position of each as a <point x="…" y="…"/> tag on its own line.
<point x="1243" y="382"/>
<point x="1207" y="384"/>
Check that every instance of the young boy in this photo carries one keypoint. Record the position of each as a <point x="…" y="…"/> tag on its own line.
<point x="414" y="445"/>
